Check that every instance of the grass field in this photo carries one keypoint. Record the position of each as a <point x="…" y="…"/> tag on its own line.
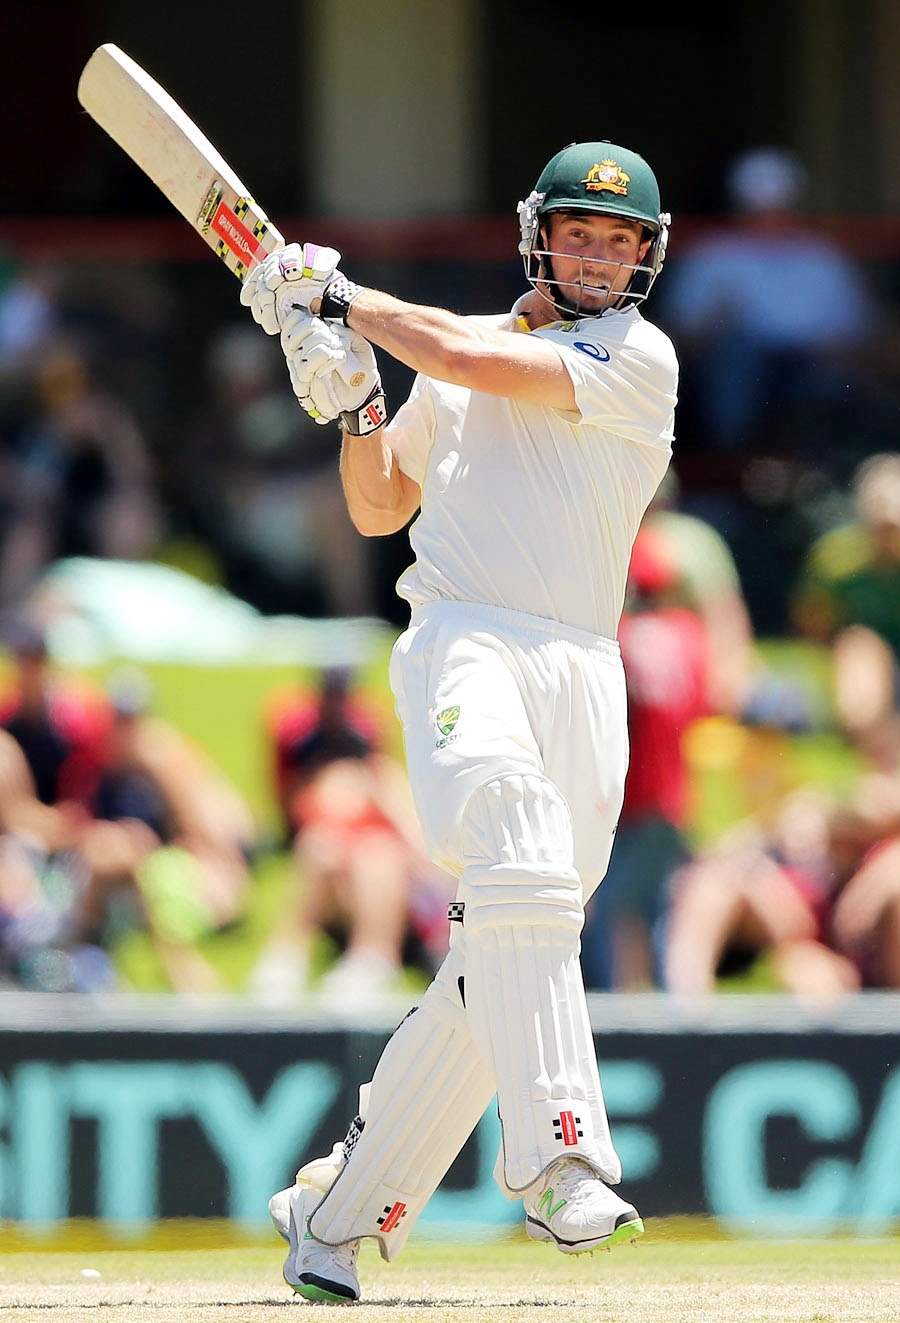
<point x="670" y="1276"/>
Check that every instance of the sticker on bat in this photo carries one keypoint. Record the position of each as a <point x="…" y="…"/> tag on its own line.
<point x="233" y="233"/>
<point x="210" y="202"/>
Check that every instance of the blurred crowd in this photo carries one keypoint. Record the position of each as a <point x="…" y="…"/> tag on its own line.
<point x="759" y="843"/>
<point x="114" y="442"/>
<point x="112" y="822"/>
<point x="797" y="884"/>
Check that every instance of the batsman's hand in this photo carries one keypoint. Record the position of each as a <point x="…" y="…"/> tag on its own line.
<point x="288" y="278"/>
<point x="333" y="372"/>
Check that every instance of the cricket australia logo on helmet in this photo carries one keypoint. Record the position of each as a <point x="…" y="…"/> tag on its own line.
<point x="608" y="175"/>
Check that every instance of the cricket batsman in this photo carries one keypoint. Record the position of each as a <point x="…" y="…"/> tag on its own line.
<point x="531" y="444"/>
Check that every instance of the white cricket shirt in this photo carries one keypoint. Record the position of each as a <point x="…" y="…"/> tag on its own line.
<point x="534" y="508"/>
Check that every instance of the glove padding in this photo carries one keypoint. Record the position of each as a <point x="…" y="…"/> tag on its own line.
<point x="289" y="277"/>
<point x="333" y="369"/>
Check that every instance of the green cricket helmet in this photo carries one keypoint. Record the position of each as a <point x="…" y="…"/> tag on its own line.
<point x="600" y="177"/>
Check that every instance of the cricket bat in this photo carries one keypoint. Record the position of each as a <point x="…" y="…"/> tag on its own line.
<point x="159" y="137"/>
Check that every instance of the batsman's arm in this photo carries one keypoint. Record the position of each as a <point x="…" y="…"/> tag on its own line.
<point x="381" y="498"/>
<point x="463" y="351"/>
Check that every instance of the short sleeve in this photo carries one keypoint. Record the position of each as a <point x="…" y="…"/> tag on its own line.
<point x="410" y="433"/>
<point x="624" y="383"/>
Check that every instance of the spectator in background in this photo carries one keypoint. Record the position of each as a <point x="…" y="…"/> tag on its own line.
<point x="812" y="884"/>
<point x="666" y="649"/>
<point x="170" y="832"/>
<point x="773" y="320"/>
<point x="43" y="880"/>
<point x="705" y="580"/>
<point x="52" y="731"/>
<point x="58" y="721"/>
<point x="29" y="318"/>
<point x="363" y="875"/>
<point x="80" y="481"/>
<point x="766" y="887"/>
<point x="261" y="485"/>
<point x="847" y="597"/>
<point x="865" y="922"/>
<point x="310" y="729"/>
<point x="125" y="825"/>
<point x="741" y="686"/>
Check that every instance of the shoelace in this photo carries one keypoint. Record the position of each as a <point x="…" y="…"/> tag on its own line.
<point x="328" y="1256"/>
<point x="568" y="1178"/>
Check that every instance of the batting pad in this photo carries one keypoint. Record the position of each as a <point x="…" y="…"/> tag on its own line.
<point x="428" y="1093"/>
<point x="524" y="989"/>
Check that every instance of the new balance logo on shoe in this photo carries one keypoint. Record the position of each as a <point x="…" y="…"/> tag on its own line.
<point x="546" y="1204"/>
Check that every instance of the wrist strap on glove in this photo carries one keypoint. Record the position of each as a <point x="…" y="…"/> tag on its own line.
<point x="336" y="300"/>
<point x="369" y="416"/>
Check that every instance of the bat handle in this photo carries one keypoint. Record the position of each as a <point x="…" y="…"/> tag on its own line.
<point x="288" y="300"/>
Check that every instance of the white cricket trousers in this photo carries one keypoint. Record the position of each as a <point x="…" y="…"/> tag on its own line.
<point x="483" y="692"/>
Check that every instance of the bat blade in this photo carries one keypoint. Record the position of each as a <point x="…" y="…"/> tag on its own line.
<point x="151" y="128"/>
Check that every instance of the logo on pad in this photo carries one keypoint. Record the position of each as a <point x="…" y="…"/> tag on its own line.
<point x="566" y="1127"/>
<point x="391" y="1216"/>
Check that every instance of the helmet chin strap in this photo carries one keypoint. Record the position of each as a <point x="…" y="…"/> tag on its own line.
<point x="545" y="272"/>
<point x="560" y="302"/>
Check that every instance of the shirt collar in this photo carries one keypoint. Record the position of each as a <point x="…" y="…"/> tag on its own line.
<point x="516" y="319"/>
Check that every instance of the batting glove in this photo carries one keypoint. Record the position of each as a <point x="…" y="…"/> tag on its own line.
<point x="333" y="373"/>
<point x="290" y="277"/>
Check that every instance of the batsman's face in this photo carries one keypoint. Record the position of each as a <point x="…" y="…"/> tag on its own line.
<point x="592" y="257"/>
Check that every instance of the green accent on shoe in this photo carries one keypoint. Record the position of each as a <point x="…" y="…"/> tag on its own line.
<point x="547" y="1198"/>
<point x="310" y="1292"/>
<point x="627" y="1231"/>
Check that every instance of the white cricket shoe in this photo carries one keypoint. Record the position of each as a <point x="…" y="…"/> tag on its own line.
<point x="280" y="1211"/>
<point x="572" y="1207"/>
<point x="320" y="1174"/>
<point x="320" y="1272"/>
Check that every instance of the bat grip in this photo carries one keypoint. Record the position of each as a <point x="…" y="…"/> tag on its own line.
<point x="289" y="299"/>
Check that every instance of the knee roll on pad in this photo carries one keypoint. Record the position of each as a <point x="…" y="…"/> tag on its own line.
<point x="524" y="990"/>
<point x="518" y="856"/>
<point x="428" y="1092"/>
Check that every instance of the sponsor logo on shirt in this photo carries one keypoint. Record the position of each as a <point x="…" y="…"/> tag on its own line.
<point x="446" y="724"/>
<point x="598" y="352"/>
